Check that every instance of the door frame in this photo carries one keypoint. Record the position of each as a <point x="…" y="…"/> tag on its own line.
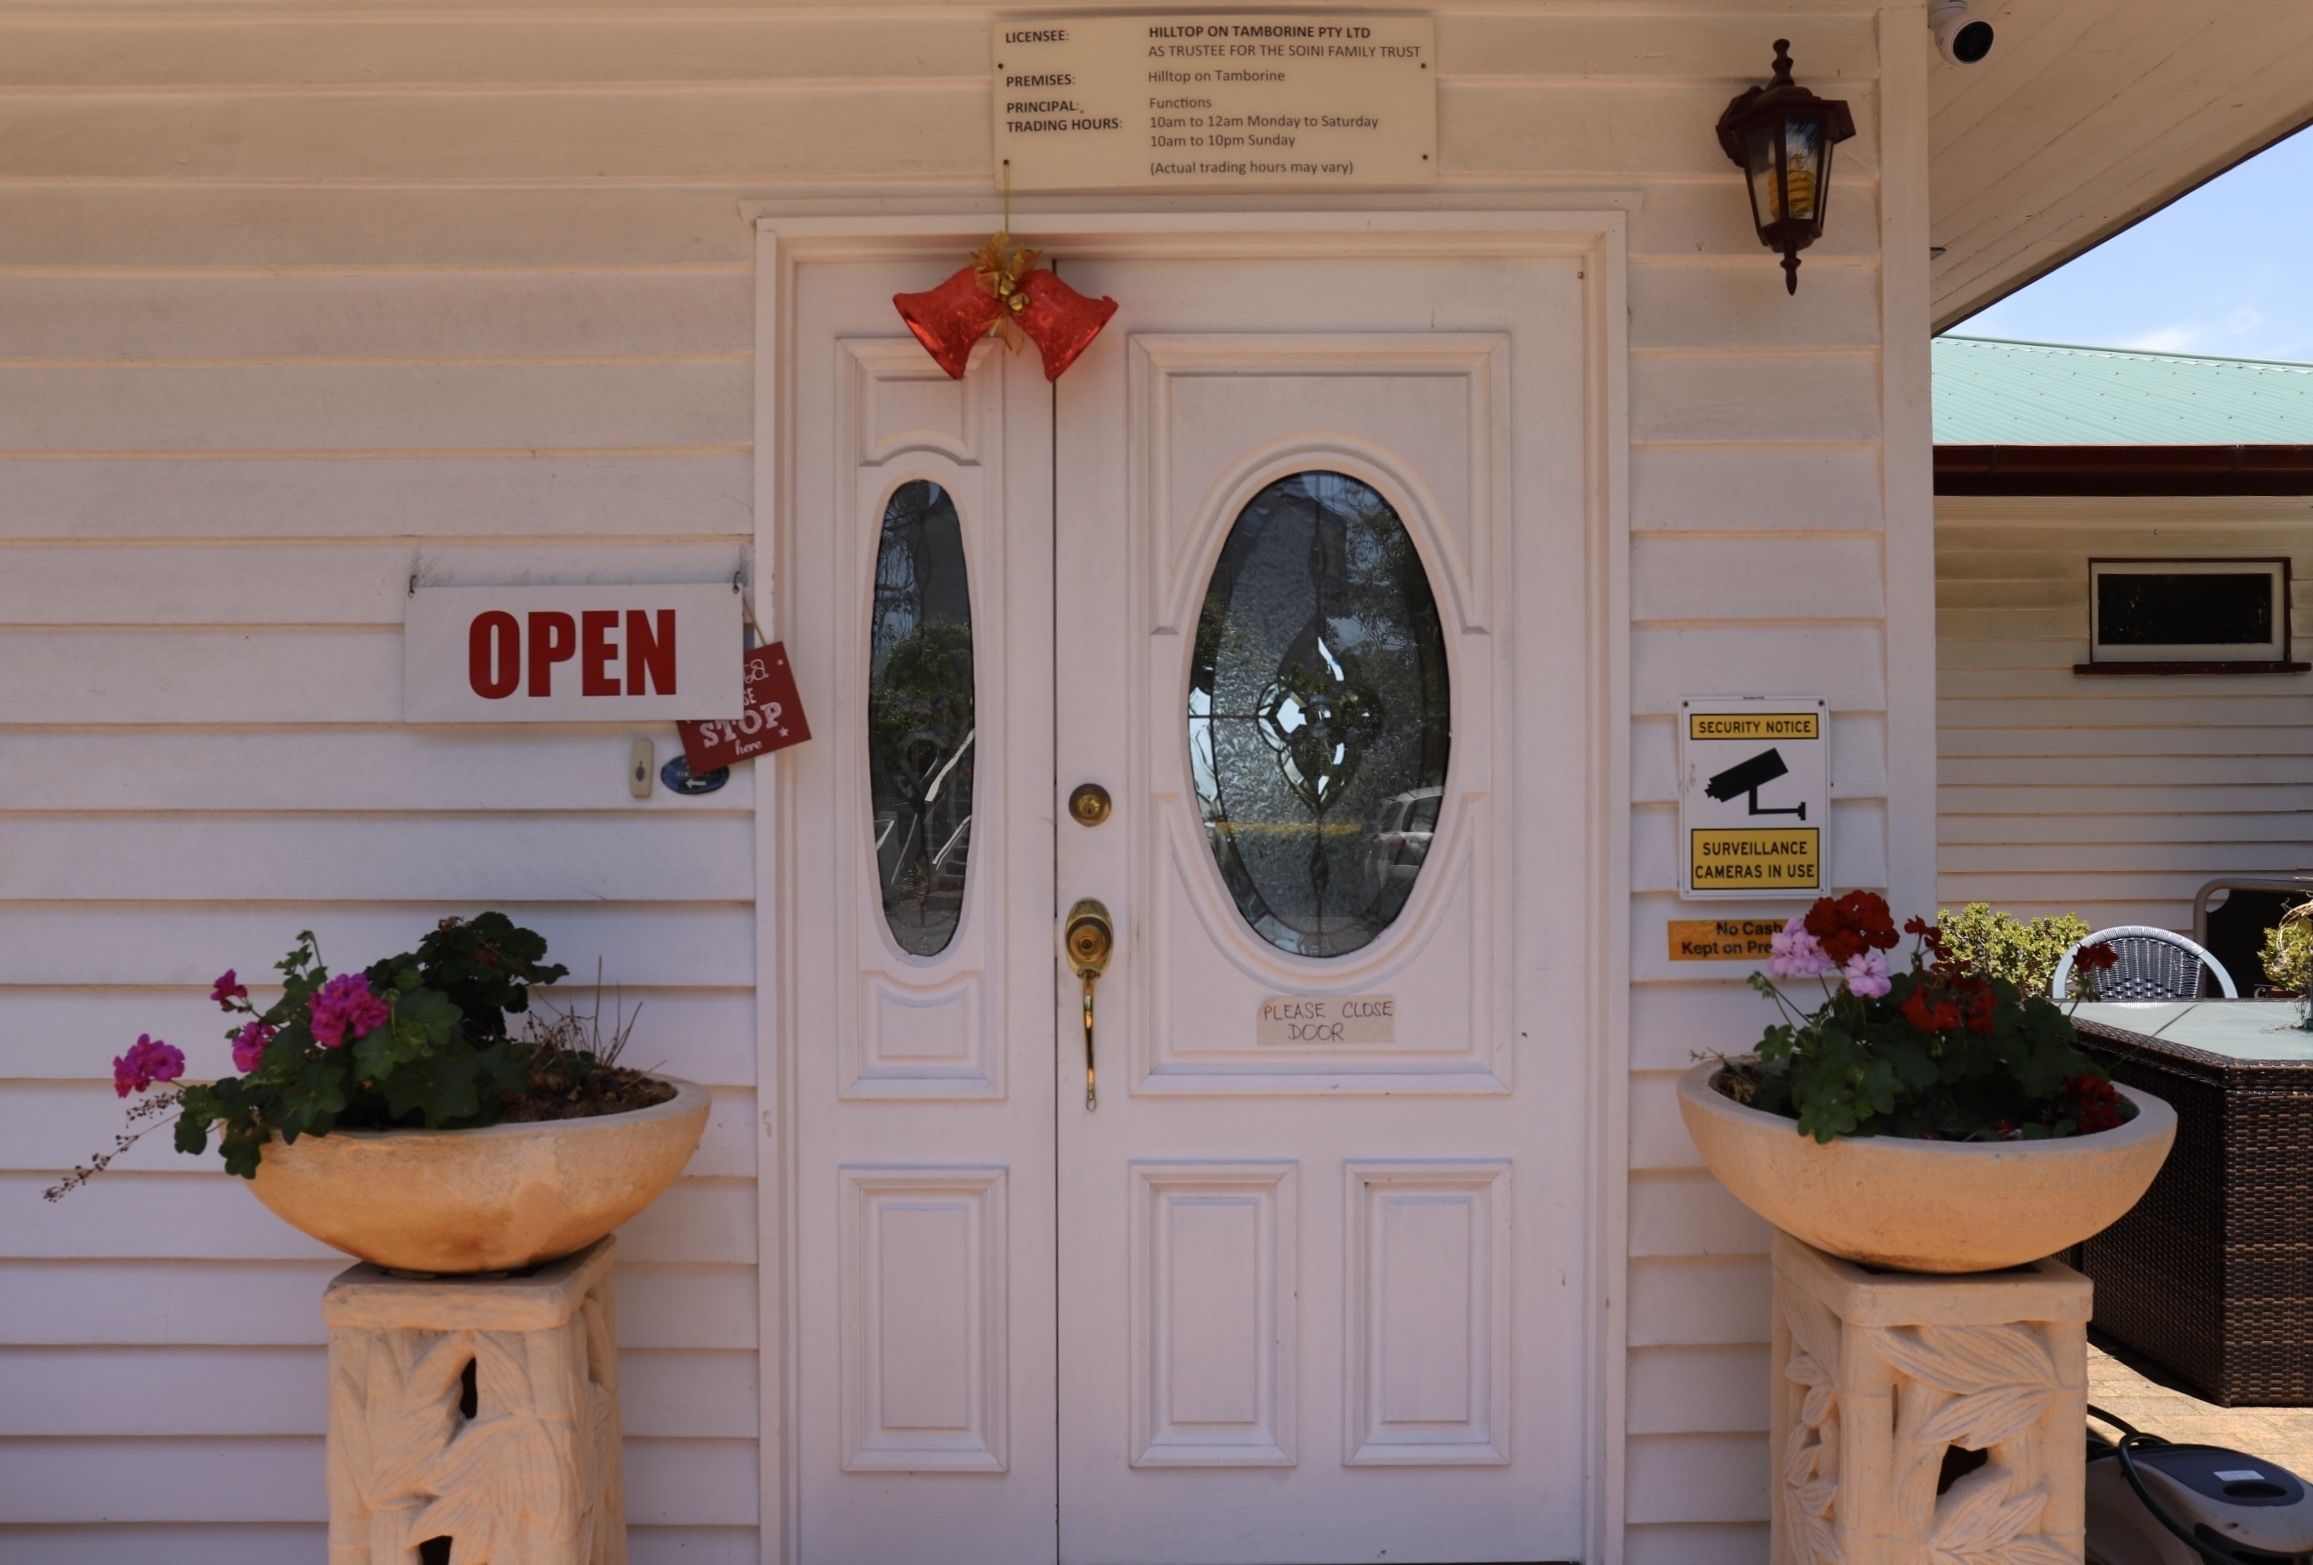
<point x="1592" y="230"/>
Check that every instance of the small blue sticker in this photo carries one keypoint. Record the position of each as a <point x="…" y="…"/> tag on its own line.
<point x="676" y="774"/>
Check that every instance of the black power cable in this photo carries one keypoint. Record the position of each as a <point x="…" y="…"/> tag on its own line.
<point x="2214" y="1550"/>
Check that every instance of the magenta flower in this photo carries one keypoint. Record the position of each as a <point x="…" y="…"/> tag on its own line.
<point x="249" y="1046"/>
<point x="345" y="1006"/>
<point x="227" y="990"/>
<point x="1798" y="954"/>
<point x="147" y="1061"/>
<point x="1867" y="975"/>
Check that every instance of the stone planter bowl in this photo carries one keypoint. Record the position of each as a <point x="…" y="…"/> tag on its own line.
<point x="494" y="1199"/>
<point x="1927" y="1206"/>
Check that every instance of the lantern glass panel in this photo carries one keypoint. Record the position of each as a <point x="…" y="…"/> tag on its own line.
<point x="1803" y="156"/>
<point x="1759" y="158"/>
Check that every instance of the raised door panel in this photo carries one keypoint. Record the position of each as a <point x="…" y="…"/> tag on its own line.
<point x="1215" y="1298"/>
<point x="923" y="1338"/>
<point x="921" y="1022"/>
<point x="1426" y="404"/>
<point x="1413" y="421"/>
<point x="1426" y="1291"/>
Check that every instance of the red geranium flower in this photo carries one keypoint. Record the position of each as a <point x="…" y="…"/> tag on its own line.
<point x="1851" y="925"/>
<point x="2098" y="958"/>
<point x="1980" y="1003"/>
<point x="2094" y="1103"/>
<point x="1930" y="1012"/>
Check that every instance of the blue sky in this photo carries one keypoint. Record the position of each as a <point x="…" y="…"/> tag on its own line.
<point x="2227" y="270"/>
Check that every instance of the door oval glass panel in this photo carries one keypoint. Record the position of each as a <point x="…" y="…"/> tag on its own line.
<point x="1318" y="715"/>
<point x="920" y="718"/>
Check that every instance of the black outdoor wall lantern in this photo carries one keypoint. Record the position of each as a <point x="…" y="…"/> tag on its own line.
<point x="1781" y="136"/>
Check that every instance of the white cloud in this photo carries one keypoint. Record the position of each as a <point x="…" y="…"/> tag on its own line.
<point x="2169" y="339"/>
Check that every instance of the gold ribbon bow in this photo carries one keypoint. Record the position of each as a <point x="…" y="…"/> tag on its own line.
<point x="1000" y="266"/>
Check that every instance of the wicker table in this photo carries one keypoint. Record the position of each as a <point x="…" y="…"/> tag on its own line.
<point x="2211" y="1274"/>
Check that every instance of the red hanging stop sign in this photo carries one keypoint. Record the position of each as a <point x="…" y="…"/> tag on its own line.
<point x="772" y="719"/>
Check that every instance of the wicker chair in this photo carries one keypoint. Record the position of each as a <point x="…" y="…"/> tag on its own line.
<point x="2155" y="964"/>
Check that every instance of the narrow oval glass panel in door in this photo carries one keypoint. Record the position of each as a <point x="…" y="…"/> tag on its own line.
<point x="920" y="722"/>
<point x="1318" y="717"/>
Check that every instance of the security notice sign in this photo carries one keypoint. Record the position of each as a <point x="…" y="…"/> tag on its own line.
<point x="1300" y="100"/>
<point x="1754" y="794"/>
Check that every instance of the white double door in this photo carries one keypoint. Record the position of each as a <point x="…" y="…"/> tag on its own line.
<point x="1291" y="565"/>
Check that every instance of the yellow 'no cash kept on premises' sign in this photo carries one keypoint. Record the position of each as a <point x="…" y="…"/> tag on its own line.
<point x="1754" y="794"/>
<point x="1723" y="939"/>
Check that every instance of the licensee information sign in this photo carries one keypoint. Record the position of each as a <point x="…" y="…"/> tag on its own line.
<point x="1296" y="99"/>
<point x="1754" y="793"/>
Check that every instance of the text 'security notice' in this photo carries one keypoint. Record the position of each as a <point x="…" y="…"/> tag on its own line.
<point x="1291" y="100"/>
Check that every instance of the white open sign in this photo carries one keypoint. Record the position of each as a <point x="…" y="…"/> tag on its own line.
<point x="570" y="654"/>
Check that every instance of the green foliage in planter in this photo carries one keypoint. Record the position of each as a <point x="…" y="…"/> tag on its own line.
<point x="1866" y="1067"/>
<point x="484" y="966"/>
<point x="2002" y="945"/>
<point x="1943" y="1049"/>
<point x="2288" y="951"/>
<point x="418" y="1039"/>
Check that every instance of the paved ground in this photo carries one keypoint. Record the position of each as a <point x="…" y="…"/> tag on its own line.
<point x="2132" y="1390"/>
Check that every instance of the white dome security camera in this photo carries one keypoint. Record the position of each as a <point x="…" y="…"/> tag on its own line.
<point x="1962" y="40"/>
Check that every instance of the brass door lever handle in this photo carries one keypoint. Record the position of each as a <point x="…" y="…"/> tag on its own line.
<point x="1089" y="938"/>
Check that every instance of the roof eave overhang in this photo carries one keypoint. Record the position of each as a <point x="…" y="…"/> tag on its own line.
<point x="2089" y="116"/>
<point x="2124" y="470"/>
<point x="1953" y="306"/>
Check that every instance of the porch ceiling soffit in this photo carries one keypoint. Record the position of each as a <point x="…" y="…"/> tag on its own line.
<point x="2091" y="114"/>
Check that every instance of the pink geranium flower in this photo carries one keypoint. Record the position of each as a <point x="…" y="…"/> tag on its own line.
<point x="147" y="1061"/>
<point x="249" y="1046"/>
<point x="1867" y="975"/>
<point x="1798" y="954"/>
<point x="228" y="989"/>
<point x="345" y="1007"/>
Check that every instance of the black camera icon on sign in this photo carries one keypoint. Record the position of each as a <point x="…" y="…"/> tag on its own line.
<point x="1748" y="777"/>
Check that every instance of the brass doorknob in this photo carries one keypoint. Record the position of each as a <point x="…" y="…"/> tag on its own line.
<point x="1088" y="939"/>
<point x="1088" y="804"/>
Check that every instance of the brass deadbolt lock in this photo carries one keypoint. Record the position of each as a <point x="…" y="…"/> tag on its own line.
<point x="1088" y="803"/>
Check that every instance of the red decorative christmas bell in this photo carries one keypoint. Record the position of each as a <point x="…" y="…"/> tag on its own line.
<point x="1004" y="291"/>
<point x="1059" y="320"/>
<point x="948" y="319"/>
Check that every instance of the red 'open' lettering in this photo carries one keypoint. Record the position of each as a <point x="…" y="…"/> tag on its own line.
<point x="505" y="655"/>
<point x="597" y="632"/>
<point x="650" y="652"/>
<point x="494" y="655"/>
<point x="553" y="639"/>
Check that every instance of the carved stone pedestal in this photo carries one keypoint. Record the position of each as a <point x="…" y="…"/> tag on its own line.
<point x="1891" y="1386"/>
<point x="479" y="1410"/>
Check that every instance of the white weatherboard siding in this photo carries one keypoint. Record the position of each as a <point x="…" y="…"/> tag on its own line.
<point x="300" y="299"/>
<point x="235" y="423"/>
<point x="2111" y="797"/>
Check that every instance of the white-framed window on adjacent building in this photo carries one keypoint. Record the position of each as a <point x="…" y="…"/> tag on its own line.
<point x="2188" y="616"/>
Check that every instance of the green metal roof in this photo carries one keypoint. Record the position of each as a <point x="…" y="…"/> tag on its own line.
<point x="2039" y="393"/>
